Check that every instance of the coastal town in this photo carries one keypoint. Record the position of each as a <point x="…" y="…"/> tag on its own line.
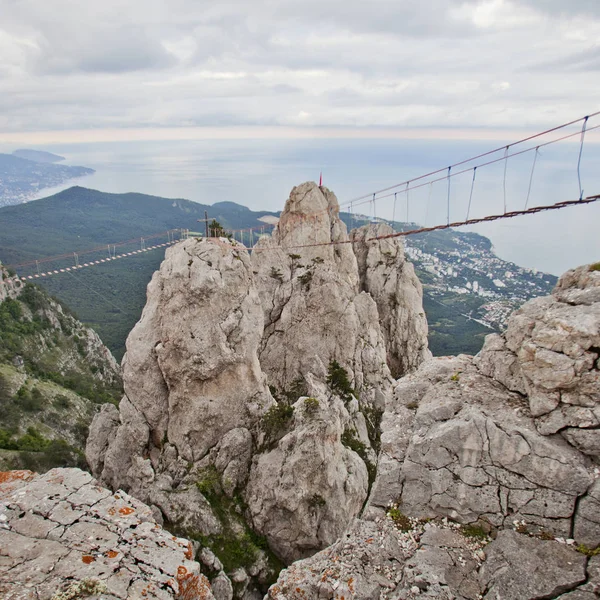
<point x="461" y="269"/>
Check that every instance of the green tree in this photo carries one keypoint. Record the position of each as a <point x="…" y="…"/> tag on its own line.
<point x="215" y="229"/>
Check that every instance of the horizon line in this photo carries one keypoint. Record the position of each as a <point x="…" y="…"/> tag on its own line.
<point x="86" y="136"/>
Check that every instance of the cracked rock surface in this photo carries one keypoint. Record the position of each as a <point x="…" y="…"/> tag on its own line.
<point x="509" y="436"/>
<point x="413" y="559"/>
<point x="63" y="533"/>
<point x="502" y="445"/>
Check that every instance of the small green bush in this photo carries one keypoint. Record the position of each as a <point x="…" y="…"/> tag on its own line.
<point x="276" y="274"/>
<point x="316" y="501"/>
<point x="277" y="418"/>
<point x="349" y="439"/>
<point x="401" y="521"/>
<point x="30" y="401"/>
<point x="474" y="531"/>
<point x="209" y="483"/>
<point x="61" y="401"/>
<point x="296" y="389"/>
<point x="373" y="416"/>
<point x="595" y="267"/>
<point x="583" y="549"/>
<point x="311" y="406"/>
<point x="306" y="278"/>
<point x="339" y="384"/>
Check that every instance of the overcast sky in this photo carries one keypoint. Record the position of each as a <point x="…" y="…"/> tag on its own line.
<point x="166" y="67"/>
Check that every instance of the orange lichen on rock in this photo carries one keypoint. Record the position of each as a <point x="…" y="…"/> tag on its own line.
<point x="87" y="559"/>
<point x="126" y="510"/>
<point x="9" y="476"/>
<point x="112" y="554"/>
<point x="189" y="553"/>
<point x="191" y="586"/>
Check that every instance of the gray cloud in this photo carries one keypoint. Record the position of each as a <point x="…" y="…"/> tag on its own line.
<point x="568" y="9"/>
<point x="153" y="63"/>
<point x="586" y="60"/>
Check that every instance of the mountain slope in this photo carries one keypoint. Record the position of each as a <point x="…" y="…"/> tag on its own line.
<point x="53" y="372"/>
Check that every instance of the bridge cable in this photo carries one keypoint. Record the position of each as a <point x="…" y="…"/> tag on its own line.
<point x="483" y="154"/>
<point x="537" y="152"/>
<point x="583" y="128"/>
<point x="471" y="194"/>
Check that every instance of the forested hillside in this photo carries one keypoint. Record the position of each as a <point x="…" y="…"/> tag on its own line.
<point x="53" y="374"/>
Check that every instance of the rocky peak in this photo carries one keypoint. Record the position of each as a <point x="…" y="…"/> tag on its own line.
<point x="191" y="371"/>
<point x="308" y="288"/>
<point x="201" y="436"/>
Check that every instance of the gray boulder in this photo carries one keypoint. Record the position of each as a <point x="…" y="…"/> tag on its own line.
<point x="302" y="493"/>
<point x="519" y="567"/>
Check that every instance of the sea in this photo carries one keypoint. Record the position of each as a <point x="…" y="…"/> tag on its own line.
<point x="260" y="174"/>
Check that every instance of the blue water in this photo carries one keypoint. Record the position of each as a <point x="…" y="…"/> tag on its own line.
<point x="260" y="174"/>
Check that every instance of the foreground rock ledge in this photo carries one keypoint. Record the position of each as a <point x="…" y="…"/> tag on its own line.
<point x="62" y="535"/>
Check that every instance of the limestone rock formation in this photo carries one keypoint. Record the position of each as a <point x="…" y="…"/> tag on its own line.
<point x="198" y="420"/>
<point x="191" y="376"/>
<point x="477" y="440"/>
<point x="10" y="286"/>
<point x="501" y="444"/>
<point x="254" y="388"/>
<point x="391" y="281"/>
<point x="301" y="493"/>
<point x="62" y="535"/>
<point x="314" y="309"/>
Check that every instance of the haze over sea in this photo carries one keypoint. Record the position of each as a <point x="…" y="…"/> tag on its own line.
<point x="260" y="173"/>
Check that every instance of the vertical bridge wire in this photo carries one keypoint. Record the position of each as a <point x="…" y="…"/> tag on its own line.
<point x="504" y="182"/>
<point x="537" y="151"/>
<point x="394" y="209"/>
<point x="448" y="201"/>
<point x="471" y="194"/>
<point x="407" y="200"/>
<point x="583" y="128"/>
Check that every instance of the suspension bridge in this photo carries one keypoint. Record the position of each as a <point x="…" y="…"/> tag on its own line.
<point x="386" y="198"/>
